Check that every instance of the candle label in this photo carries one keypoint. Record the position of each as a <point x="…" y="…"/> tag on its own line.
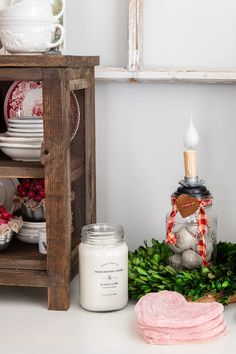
<point x="187" y="205"/>
<point x="109" y="278"/>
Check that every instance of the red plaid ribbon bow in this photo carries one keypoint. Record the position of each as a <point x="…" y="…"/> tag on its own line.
<point x="202" y="227"/>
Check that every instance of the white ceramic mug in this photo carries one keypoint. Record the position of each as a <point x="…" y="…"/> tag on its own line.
<point x="33" y="9"/>
<point x="29" y="36"/>
<point x="42" y="241"/>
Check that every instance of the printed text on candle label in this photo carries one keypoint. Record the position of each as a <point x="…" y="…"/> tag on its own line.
<point x="109" y="278"/>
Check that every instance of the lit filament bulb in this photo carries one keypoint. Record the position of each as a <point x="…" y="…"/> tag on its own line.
<point x="191" y="137"/>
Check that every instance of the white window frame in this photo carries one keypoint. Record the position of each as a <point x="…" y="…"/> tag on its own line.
<point x="136" y="72"/>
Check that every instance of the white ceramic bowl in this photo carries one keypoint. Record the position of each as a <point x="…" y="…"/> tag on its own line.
<point x="29" y="231"/>
<point x="5" y="240"/>
<point x="17" y="140"/>
<point x="27" y="239"/>
<point x="32" y="9"/>
<point x="20" y="152"/>
<point x="35" y="127"/>
<point x="24" y="35"/>
<point x="34" y="225"/>
<point x="26" y="120"/>
<point x="24" y="130"/>
<point x="29" y="135"/>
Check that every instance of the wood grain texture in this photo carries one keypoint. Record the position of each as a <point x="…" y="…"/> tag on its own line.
<point x="79" y="84"/>
<point x="215" y="297"/>
<point x="21" y="169"/>
<point x="7" y="74"/>
<point x="74" y="262"/>
<point x="23" y="278"/>
<point x="78" y="186"/>
<point x="90" y="160"/>
<point x="20" y="255"/>
<point x="56" y="98"/>
<point x="47" y="61"/>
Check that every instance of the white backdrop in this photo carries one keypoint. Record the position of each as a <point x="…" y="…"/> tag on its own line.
<point x="140" y="126"/>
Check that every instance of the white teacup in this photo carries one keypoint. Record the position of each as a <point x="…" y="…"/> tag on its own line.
<point x="32" y="8"/>
<point x="42" y="241"/>
<point x="29" y="36"/>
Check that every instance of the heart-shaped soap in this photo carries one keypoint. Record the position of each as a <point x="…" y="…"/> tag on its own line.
<point x="187" y="205"/>
<point x="170" y="309"/>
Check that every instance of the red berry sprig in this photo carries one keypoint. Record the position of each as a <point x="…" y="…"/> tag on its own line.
<point x="5" y="216"/>
<point x="32" y="189"/>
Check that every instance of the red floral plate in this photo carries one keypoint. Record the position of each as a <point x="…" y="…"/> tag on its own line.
<point x="25" y="99"/>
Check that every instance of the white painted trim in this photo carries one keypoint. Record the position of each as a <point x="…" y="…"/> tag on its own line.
<point x="136" y="73"/>
<point x="108" y="74"/>
<point x="191" y="75"/>
<point x="134" y="35"/>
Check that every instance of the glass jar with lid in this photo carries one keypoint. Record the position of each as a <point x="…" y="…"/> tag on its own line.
<point x="103" y="268"/>
<point x="192" y="227"/>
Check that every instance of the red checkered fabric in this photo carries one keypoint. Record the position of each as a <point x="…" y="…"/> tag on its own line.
<point x="170" y="237"/>
<point x="202" y="227"/>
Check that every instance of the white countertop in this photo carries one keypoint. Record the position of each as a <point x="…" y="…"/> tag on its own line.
<point x="27" y="327"/>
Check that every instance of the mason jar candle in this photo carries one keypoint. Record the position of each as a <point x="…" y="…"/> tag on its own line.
<point x="103" y="268"/>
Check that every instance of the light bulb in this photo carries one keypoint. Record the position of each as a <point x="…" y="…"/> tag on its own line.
<point x="191" y="137"/>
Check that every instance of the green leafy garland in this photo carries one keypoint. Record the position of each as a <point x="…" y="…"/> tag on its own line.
<point x="149" y="272"/>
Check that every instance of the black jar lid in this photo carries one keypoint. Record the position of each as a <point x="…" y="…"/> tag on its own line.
<point x="196" y="190"/>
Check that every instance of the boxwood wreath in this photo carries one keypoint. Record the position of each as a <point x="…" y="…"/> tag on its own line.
<point x="149" y="271"/>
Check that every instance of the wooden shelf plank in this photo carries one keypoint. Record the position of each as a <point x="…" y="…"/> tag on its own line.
<point x="78" y="84"/>
<point x="21" y="169"/>
<point x="33" y="278"/>
<point x="24" y="256"/>
<point x="7" y="74"/>
<point x="47" y="61"/>
<point x="171" y="75"/>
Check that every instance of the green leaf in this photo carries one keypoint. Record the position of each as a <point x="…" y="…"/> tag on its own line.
<point x="141" y="271"/>
<point x="225" y="284"/>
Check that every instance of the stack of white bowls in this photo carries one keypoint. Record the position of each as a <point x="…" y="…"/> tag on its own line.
<point x="29" y="232"/>
<point x="28" y="26"/>
<point x="23" y="138"/>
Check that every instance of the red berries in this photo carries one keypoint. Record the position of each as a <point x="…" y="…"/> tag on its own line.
<point x="5" y="216"/>
<point x="32" y="189"/>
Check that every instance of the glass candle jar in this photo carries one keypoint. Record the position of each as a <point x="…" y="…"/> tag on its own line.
<point x="192" y="238"/>
<point x="103" y="268"/>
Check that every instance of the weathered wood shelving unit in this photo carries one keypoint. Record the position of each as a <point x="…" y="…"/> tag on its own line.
<point x="67" y="167"/>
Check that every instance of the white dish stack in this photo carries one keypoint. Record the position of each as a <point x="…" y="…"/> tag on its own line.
<point x="28" y="26"/>
<point x="23" y="138"/>
<point x="29" y="232"/>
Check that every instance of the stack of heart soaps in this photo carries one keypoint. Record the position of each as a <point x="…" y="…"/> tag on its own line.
<point x="167" y="318"/>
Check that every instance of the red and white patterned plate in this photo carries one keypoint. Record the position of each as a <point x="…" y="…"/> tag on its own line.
<point x="25" y="99"/>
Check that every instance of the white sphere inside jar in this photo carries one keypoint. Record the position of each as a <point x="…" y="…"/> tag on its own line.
<point x="176" y="260"/>
<point x="191" y="259"/>
<point x="185" y="239"/>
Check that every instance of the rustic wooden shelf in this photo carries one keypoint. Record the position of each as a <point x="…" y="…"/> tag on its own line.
<point x="67" y="166"/>
<point x="20" y="255"/>
<point x="20" y="169"/>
